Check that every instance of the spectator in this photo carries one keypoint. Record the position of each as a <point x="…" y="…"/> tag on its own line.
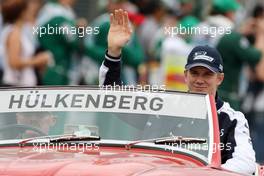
<point x="33" y="9"/>
<point x="187" y="7"/>
<point x="221" y="18"/>
<point x="32" y="13"/>
<point x="18" y="50"/>
<point x="236" y="50"/>
<point x="57" y="15"/>
<point x="151" y="25"/>
<point x="187" y="19"/>
<point x="253" y="104"/>
<point x="175" y="50"/>
<point x="155" y="12"/>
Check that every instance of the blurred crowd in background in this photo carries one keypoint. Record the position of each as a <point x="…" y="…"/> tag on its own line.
<point x="156" y="54"/>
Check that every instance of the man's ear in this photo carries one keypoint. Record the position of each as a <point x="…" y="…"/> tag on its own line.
<point x="185" y="75"/>
<point x="220" y="78"/>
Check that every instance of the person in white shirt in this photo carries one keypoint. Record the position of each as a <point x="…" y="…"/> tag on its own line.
<point x="17" y="48"/>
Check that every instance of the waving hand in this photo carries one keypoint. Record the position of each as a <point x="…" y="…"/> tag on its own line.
<point x="119" y="33"/>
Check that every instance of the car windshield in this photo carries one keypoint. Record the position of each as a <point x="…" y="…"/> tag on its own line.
<point x="113" y="115"/>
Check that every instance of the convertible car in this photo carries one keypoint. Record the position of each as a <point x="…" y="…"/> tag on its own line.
<point x="78" y="131"/>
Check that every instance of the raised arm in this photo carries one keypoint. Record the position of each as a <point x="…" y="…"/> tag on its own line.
<point x="119" y="34"/>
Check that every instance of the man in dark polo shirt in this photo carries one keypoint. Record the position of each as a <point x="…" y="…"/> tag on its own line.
<point x="203" y="74"/>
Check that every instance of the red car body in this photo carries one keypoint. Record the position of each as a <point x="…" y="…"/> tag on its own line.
<point x="108" y="161"/>
<point x="111" y="159"/>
